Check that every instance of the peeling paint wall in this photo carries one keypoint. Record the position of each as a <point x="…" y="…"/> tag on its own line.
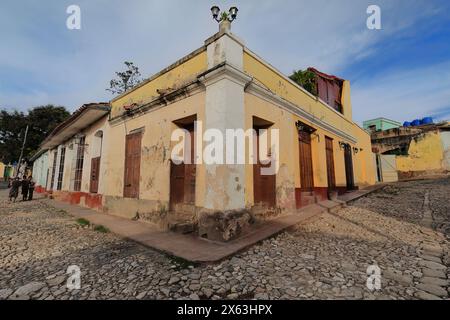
<point x="285" y="123"/>
<point x="91" y="151"/>
<point x="288" y="178"/>
<point x="425" y="154"/>
<point x="275" y="82"/>
<point x="40" y="170"/>
<point x="175" y="77"/>
<point x="157" y="126"/>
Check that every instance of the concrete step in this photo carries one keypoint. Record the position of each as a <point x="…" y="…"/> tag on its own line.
<point x="181" y="223"/>
<point x="332" y="206"/>
<point x="308" y="198"/>
<point x="183" y="227"/>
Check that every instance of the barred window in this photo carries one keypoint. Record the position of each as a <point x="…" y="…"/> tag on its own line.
<point x="79" y="164"/>
<point x="52" y="182"/>
<point x="61" y="168"/>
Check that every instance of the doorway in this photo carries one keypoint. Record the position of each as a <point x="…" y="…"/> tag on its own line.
<point x="306" y="164"/>
<point x="349" y="176"/>
<point x="132" y="165"/>
<point x="95" y="170"/>
<point x="183" y="175"/>
<point x="331" y="177"/>
<point x="264" y="186"/>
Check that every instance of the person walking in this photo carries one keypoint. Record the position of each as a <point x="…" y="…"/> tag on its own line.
<point x="31" y="188"/>
<point x="14" y="191"/>
<point x="25" y="188"/>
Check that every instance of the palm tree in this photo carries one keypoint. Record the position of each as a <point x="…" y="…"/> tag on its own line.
<point x="306" y="79"/>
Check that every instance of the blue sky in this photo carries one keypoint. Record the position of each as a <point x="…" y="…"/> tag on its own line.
<point x="400" y="72"/>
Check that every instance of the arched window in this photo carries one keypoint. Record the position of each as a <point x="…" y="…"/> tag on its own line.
<point x="97" y="144"/>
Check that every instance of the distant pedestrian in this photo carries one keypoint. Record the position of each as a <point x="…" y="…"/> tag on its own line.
<point x="31" y="188"/>
<point x="25" y="188"/>
<point x="14" y="191"/>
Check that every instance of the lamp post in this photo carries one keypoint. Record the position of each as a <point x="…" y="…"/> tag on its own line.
<point x="229" y="16"/>
<point x="225" y="18"/>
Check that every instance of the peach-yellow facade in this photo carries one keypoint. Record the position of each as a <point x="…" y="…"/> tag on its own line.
<point x="222" y="85"/>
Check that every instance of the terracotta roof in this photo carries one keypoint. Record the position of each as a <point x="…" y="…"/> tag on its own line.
<point x="76" y="114"/>
<point x="324" y="75"/>
<point x="103" y="107"/>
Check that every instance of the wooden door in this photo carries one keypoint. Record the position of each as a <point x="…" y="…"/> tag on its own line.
<point x="95" y="175"/>
<point x="306" y="165"/>
<point x="330" y="164"/>
<point x="349" y="167"/>
<point x="264" y="186"/>
<point x="132" y="165"/>
<point x="176" y="184"/>
<point x="183" y="176"/>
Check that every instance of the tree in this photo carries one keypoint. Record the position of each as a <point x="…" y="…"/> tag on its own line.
<point x="12" y="131"/>
<point x="125" y="80"/>
<point x="306" y="79"/>
<point x="41" y="121"/>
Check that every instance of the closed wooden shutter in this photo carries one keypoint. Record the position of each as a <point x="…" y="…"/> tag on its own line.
<point x="183" y="177"/>
<point x="330" y="163"/>
<point x="264" y="186"/>
<point x="306" y="165"/>
<point x="190" y="172"/>
<point x="95" y="175"/>
<point x="349" y="167"/>
<point x="132" y="165"/>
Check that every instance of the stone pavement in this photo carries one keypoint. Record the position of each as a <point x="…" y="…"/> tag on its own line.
<point x="189" y="247"/>
<point x="326" y="258"/>
<point x="194" y="249"/>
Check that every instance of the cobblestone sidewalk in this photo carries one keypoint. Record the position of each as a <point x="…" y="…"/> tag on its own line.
<point x="325" y="259"/>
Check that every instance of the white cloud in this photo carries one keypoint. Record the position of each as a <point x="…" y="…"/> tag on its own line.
<point x="74" y="67"/>
<point x="404" y="95"/>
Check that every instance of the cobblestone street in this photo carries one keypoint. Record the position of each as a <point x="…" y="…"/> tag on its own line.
<point x="327" y="258"/>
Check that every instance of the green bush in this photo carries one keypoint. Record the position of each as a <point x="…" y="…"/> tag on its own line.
<point x="83" y="222"/>
<point x="101" y="229"/>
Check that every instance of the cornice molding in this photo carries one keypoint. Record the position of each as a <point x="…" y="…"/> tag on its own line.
<point x="268" y="96"/>
<point x="224" y="71"/>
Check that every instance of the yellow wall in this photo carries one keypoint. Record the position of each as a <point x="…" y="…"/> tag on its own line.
<point x="284" y="122"/>
<point x="365" y="170"/>
<point x="174" y="78"/>
<point x="289" y="174"/>
<point x="156" y="148"/>
<point x="278" y="84"/>
<point x="157" y="124"/>
<point x="425" y="153"/>
<point x="288" y="177"/>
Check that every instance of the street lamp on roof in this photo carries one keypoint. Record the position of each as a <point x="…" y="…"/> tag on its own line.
<point x="224" y="16"/>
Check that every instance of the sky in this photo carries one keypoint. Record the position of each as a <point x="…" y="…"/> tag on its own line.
<point x="401" y="72"/>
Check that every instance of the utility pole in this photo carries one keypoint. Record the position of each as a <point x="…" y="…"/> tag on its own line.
<point x="21" y="151"/>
